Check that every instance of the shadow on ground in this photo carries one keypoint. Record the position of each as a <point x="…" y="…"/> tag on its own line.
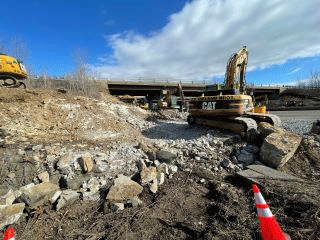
<point x="182" y="130"/>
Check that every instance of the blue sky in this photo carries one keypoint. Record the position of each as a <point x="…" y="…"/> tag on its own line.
<point x="167" y="39"/>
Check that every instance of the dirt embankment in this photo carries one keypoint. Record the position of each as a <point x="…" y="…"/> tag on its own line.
<point x="50" y="116"/>
<point x="296" y="99"/>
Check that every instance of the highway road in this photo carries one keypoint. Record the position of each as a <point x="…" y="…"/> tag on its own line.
<point x="298" y="115"/>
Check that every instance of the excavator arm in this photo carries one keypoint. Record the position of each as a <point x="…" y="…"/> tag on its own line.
<point x="236" y="71"/>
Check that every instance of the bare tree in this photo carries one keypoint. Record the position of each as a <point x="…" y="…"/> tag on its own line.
<point x="19" y="49"/>
<point x="300" y="83"/>
<point x="82" y="82"/>
<point x="2" y="46"/>
<point x="80" y="59"/>
<point x="314" y="79"/>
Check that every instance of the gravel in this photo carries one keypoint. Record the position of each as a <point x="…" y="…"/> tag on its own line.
<point x="195" y="146"/>
<point x="297" y="126"/>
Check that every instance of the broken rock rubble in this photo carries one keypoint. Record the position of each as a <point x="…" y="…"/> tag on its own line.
<point x="6" y="195"/>
<point x="126" y="191"/>
<point x="39" y="194"/>
<point x="9" y="214"/>
<point x="204" y="157"/>
<point x="123" y="189"/>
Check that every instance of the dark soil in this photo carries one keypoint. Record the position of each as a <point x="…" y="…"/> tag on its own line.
<point x="183" y="208"/>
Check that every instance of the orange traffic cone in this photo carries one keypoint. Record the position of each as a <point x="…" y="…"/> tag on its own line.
<point x="9" y="234"/>
<point x="270" y="229"/>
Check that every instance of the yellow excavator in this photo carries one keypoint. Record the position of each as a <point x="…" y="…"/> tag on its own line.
<point x="230" y="108"/>
<point x="12" y="70"/>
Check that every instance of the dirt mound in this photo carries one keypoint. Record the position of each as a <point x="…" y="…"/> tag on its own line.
<point x="50" y="116"/>
<point x="171" y="114"/>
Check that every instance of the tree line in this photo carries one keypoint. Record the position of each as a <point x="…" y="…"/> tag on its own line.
<point x="311" y="81"/>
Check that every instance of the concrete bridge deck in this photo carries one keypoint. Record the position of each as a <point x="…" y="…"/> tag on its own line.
<point x="142" y="87"/>
<point x="190" y="88"/>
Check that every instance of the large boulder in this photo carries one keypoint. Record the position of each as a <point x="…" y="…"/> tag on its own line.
<point x="315" y="127"/>
<point x="90" y="196"/>
<point x="266" y="129"/>
<point x="37" y="195"/>
<point x="9" y="214"/>
<point x="166" y="156"/>
<point x="65" y="163"/>
<point x="246" y="157"/>
<point x="44" y="177"/>
<point x="67" y="197"/>
<point x="7" y="196"/>
<point x="86" y="162"/>
<point x="279" y="147"/>
<point x="147" y="174"/>
<point x="123" y="189"/>
<point x="101" y="164"/>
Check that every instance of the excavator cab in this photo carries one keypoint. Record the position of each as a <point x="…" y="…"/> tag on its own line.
<point x="12" y="70"/>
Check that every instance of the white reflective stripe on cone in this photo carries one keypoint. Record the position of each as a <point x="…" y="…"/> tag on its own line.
<point x="264" y="212"/>
<point x="259" y="198"/>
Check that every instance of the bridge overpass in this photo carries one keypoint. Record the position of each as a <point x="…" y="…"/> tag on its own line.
<point x="192" y="89"/>
<point x="142" y="88"/>
<point x="259" y="90"/>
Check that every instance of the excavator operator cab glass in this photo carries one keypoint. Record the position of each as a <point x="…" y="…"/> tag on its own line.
<point x="22" y="66"/>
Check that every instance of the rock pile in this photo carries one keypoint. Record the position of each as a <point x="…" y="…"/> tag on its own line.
<point x="124" y="190"/>
<point x="67" y="173"/>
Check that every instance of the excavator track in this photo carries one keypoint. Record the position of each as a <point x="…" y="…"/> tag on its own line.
<point x="245" y="126"/>
<point x="269" y="118"/>
<point x="11" y="82"/>
<point x="251" y="128"/>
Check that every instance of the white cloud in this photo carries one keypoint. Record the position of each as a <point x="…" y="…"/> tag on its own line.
<point x="199" y="39"/>
<point x="295" y="82"/>
<point x="295" y="70"/>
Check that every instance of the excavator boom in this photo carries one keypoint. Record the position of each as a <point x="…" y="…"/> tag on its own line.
<point x="236" y="69"/>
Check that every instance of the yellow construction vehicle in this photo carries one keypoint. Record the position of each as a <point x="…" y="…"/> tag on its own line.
<point x="230" y="108"/>
<point x="167" y="98"/>
<point x="260" y="104"/>
<point x="12" y="70"/>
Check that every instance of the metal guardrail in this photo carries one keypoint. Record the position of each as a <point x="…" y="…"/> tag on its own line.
<point x="269" y="85"/>
<point x="189" y="81"/>
<point x="173" y="81"/>
<point x="139" y="80"/>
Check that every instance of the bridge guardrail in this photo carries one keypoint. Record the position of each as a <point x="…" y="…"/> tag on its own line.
<point x="158" y="81"/>
<point x="269" y="85"/>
